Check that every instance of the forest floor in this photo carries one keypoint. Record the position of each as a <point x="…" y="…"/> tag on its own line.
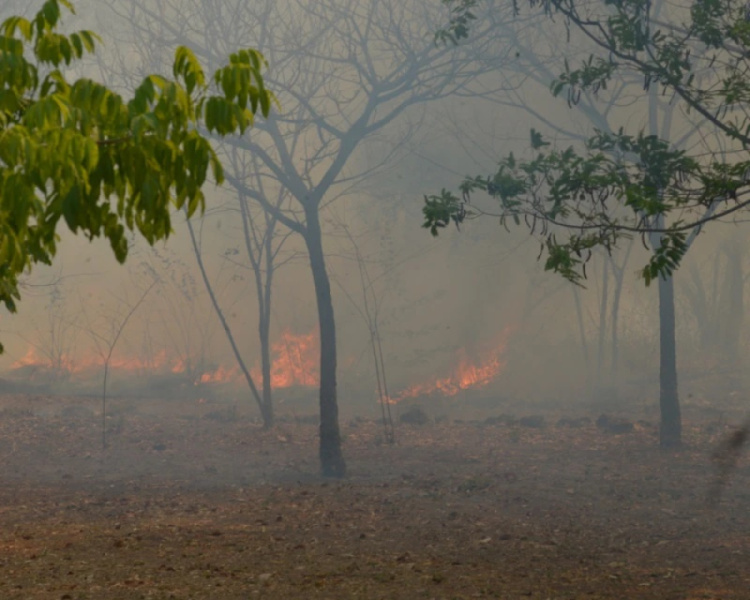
<point x="201" y="503"/>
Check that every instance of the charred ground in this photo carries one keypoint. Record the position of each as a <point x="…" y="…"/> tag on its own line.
<point x="195" y="500"/>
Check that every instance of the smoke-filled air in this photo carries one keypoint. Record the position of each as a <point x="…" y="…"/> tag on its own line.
<point x="374" y="299"/>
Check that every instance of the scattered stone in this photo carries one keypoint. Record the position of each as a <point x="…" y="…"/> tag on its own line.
<point x="614" y="425"/>
<point x="415" y="415"/>
<point x="573" y="423"/>
<point x="533" y="421"/>
<point x="503" y="419"/>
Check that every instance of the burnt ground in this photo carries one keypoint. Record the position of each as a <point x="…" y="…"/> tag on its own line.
<point x="197" y="501"/>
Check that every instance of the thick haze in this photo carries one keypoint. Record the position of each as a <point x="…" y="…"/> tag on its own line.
<point x="465" y="296"/>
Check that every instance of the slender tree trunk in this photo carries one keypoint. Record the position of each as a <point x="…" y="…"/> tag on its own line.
<point x="604" y="304"/>
<point x="582" y="335"/>
<point x="224" y="323"/>
<point x="266" y="405"/>
<point x="263" y="290"/>
<point x="332" y="462"/>
<point x="670" y="427"/>
<point x="614" y="364"/>
<point x="619" y="274"/>
<point x="670" y="431"/>
<point x="699" y="305"/>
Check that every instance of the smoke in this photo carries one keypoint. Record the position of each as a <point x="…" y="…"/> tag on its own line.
<point x="474" y="301"/>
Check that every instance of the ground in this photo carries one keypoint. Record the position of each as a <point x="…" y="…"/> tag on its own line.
<point x="195" y="500"/>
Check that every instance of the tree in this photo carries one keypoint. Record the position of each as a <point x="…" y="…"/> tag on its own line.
<point x="623" y="184"/>
<point x="344" y="71"/>
<point x="262" y="244"/>
<point x="77" y="151"/>
<point x="370" y="313"/>
<point x="261" y="239"/>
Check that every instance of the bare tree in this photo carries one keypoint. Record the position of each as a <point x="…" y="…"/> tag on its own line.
<point x="263" y="243"/>
<point x="343" y="71"/>
<point x="369" y="310"/>
<point x="106" y="333"/>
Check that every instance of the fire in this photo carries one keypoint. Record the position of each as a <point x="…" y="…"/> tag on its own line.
<point x="220" y="375"/>
<point x="76" y="366"/>
<point x="295" y="360"/>
<point x="71" y="365"/>
<point x="31" y="359"/>
<point x="466" y="374"/>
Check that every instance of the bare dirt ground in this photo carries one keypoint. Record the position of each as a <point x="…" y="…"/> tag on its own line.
<point x="199" y="502"/>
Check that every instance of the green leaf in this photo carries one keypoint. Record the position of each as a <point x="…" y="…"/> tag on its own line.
<point x="187" y="66"/>
<point x="51" y="12"/>
<point x="72" y="150"/>
<point x="71" y="207"/>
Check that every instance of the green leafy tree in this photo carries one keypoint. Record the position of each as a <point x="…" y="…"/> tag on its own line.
<point x="77" y="151"/>
<point x="628" y="183"/>
<point x="623" y="183"/>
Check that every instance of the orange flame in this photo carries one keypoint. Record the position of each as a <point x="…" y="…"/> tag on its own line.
<point x="295" y="360"/>
<point x="465" y="375"/>
<point x="294" y="363"/>
<point x="75" y="366"/>
<point x="32" y="359"/>
<point x="220" y="375"/>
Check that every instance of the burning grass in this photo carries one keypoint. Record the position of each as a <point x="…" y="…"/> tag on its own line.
<point x="295" y="361"/>
<point x="186" y="505"/>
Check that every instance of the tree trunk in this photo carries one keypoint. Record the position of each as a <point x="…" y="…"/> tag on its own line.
<point x="699" y="305"/>
<point x="331" y="459"/>
<point x="619" y="274"/>
<point x="582" y="335"/>
<point x="225" y="324"/>
<point x="263" y="289"/>
<point x="670" y="430"/>
<point x="603" y="305"/>
<point x="266" y="405"/>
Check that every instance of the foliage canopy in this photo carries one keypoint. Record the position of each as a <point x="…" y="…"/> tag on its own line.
<point x="622" y="184"/>
<point x="78" y="151"/>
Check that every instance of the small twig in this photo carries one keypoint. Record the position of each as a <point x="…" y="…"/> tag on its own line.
<point x="112" y="345"/>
